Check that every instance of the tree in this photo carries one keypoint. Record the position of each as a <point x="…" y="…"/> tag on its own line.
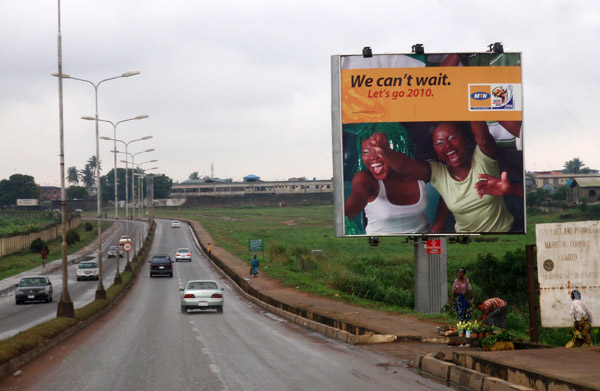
<point x="573" y="166"/>
<point x="194" y="176"/>
<point x="162" y="186"/>
<point x="77" y="192"/>
<point x="73" y="175"/>
<point x="18" y="186"/>
<point x="94" y="164"/>
<point x="87" y="177"/>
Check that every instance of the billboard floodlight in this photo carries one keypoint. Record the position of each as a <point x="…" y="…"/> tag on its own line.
<point x="418" y="48"/>
<point x="496" y="47"/>
<point x="367" y="52"/>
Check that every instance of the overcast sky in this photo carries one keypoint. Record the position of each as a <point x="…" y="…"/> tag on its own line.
<point x="246" y="84"/>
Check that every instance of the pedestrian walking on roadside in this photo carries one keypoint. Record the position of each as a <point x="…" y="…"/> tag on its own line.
<point x="495" y="312"/>
<point x="209" y="248"/>
<point x="461" y="291"/>
<point x="254" y="265"/>
<point x="44" y="256"/>
<point x="582" y="322"/>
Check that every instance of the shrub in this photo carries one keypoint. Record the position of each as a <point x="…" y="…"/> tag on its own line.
<point x="88" y="226"/>
<point x="37" y="245"/>
<point x="72" y="237"/>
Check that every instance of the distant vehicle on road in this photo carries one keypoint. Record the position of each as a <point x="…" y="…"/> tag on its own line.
<point x="112" y="252"/>
<point x="161" y="265"/>
<point x="175" y="224"/>
<point x="88" y="270"/>
<point x="78" y="211"/>
<point x="123" y="239"/>
<point x="183" y="254"/>
<point x="34" y="288"/>
<point x="202" y="295"/>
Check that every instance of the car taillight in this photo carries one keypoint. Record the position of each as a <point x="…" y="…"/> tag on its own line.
<point x="177" y="254"/>
<point x="188" y="255"/>
<point x="189" y="296"/>
<point x="216" y="296"/>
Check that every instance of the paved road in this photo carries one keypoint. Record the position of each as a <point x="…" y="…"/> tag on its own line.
<point x="15" y="318"/>
<point x="147" y="343"/>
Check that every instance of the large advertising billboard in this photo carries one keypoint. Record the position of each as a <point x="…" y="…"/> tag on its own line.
<point x="568" y="258"/>
<point x="428" y="144"/>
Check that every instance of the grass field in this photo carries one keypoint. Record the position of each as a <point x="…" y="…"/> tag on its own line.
<point x="25" y="260"/>
<point x="15" y="226"/>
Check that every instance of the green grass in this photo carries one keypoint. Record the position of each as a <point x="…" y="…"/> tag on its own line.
<point x="14" y="226"/>
<point x="24" y="260"/>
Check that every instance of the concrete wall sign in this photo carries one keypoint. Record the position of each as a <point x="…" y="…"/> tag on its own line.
<point x="568" y="257"/>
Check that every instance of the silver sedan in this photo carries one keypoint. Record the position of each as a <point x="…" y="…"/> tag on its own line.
<point x="202" y="295"/>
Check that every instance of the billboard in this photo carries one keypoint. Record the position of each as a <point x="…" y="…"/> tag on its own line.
<point x="27" y="202"/>
<point x="428" y="144"/>
<point x="567" y="259"/>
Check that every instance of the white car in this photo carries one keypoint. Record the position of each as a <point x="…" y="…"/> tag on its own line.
<point x="183" y="254"/>
<point x="202" y="295"/>
<point x="88" y="270"/>
<point x="124" y="239"/>
<point x="175" y="224"/>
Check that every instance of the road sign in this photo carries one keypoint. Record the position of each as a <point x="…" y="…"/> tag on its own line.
<point x="434" y="246"/>
<point x="256" y="245"/>
<point x="127" y="246"/>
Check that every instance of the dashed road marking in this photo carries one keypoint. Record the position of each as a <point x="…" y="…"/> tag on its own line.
<point x="214" y="368"/>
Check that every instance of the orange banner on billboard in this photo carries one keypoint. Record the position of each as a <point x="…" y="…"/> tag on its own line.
<point x="431" y="94"/>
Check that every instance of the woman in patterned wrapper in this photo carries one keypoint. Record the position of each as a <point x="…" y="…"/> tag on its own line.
<point x="392" y="202"/>
<point x="582" y="322"/>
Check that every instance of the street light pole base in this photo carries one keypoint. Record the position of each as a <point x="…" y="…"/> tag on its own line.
<point x="101" y="294"/>
<point x="118" y="280"/>
<point x="128" y="267"/>
<point x="65" y="310"/>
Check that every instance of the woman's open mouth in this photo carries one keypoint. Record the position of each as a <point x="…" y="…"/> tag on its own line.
<point x="453" y="156"/>
<point x="377" y="168"/>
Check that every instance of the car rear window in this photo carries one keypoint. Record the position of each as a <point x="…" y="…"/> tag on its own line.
<point x="88" y="265"/>
<point x="161" y="260"/>
<point x="32" y="282"/>
<point x="202" y="285"/>
<point x="183" y="250"/>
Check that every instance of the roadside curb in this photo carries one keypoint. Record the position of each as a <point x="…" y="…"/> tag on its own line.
<point x="457" y="375"/>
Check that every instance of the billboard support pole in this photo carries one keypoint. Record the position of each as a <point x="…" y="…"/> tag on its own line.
<point x="431" y="274"/>
<point x="533" y="326"/>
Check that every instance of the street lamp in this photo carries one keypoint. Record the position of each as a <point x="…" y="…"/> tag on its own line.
<point x="65" y="307"/>
<point x="100" y="291"/>
<point x="140" y="198"/>
<point x="118" y="273"/>
<point x="127" y="265"/>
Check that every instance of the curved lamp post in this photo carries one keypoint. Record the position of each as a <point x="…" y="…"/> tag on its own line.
<point x="100" y="291"/>
<point x="127" y="265"/>
<point x="118" y="273"/>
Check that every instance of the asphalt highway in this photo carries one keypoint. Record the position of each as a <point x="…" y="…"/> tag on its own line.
<point x="146" y="343"/>
<point x="15" y="318"/>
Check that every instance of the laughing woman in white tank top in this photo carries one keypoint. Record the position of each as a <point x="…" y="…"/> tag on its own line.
<point x="393" y="203"/>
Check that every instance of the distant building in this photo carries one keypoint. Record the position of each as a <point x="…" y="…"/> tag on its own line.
<point x="202" y="188"/>
<point x="49" y="193"/>
<point x="557" y="178"/>
<point x="587" y="189"/>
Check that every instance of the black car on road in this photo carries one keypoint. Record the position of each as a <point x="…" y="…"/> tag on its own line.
<point x="161" y="265"/>
<point x="34" y="288"/>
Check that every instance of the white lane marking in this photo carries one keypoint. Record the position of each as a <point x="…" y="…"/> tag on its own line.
<point x="191" y="322"/>
<point x="199" y="339"/>
<point x="204" y="350"/>
<point x="194" y="329"/>
<point x="214" y="368"/>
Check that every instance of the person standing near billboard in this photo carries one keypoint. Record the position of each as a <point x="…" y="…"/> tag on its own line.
<point x="392" y="202"/>
<point x="582" y="322"/>
<point x="462" y="176"/>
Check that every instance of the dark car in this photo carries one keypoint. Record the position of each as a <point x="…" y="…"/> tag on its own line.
<point x="161" y="265"/>
<point x="34" y="288"/>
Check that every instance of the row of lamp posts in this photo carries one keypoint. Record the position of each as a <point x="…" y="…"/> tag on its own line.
<point x="65" y="306"/>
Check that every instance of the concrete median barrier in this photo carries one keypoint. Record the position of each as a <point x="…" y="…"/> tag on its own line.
<point x="467" y="378"/>
<point x="494" y="384"/>
<point x="437" y="368"/>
